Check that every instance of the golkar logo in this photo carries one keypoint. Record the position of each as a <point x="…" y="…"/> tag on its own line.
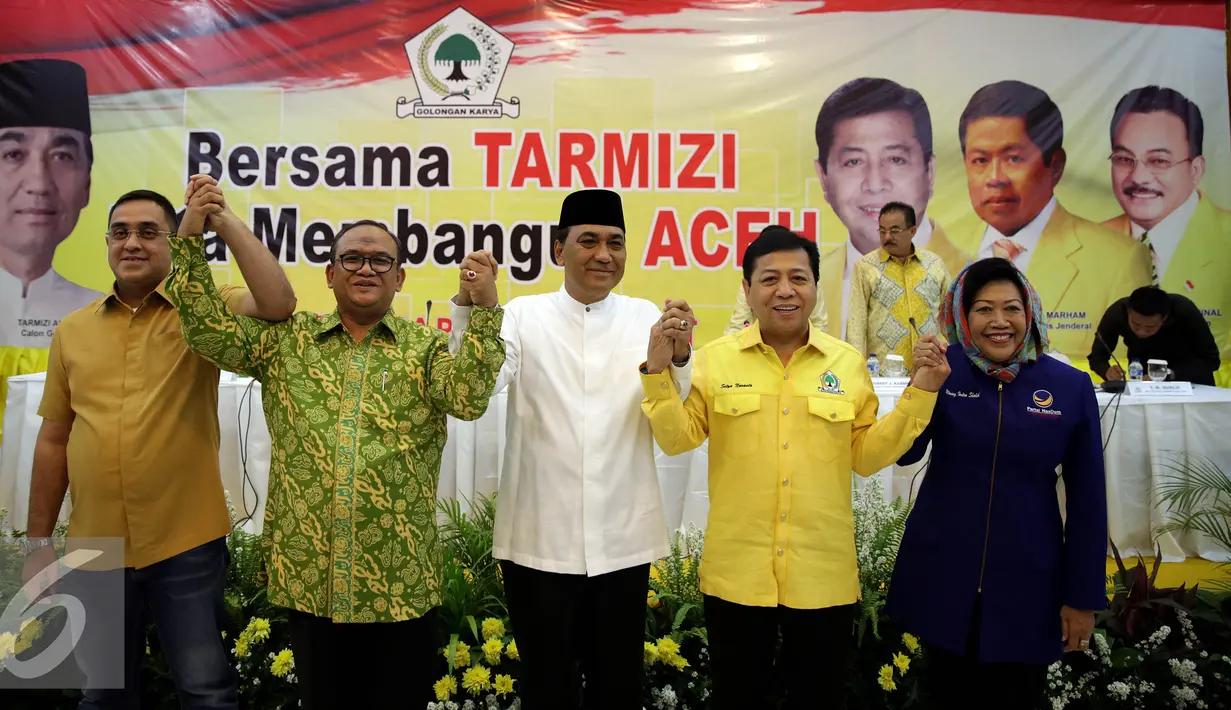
<point x="458" y="64"/>
<point x="830" y="384"/>
<point x="1043" y="402"/>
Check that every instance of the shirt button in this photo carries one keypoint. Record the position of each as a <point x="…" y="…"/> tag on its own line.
<point x="785" y="410"/>
<point x="780" y="552"/>
<point x="587" y="309"/>
<point x="906" y="395"/>
<point x="786" y="377"/>
<point x="663" y="385"/>
<point x="833" y="415"/>
<point x="783" y="517"/>
<point x="734" y="410"/>
<point x="784" y="445"/>
<point x="785" y="481"/>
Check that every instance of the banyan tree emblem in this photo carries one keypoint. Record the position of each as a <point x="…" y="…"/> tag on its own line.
<point x="458" y="64"/>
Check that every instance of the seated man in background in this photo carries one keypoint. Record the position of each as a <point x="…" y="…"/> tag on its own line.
<point x="1157" y="325"/>
<point x="896" y="290"/>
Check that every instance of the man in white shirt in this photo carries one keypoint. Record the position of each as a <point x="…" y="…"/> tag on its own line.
<point x="45" y="160"/>
<point x="579" y="514"/>
<point x="1157" y="162"/>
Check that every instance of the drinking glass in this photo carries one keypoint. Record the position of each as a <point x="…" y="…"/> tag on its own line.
<point x="1158" y="370"/>
<point x="894" y="366"/>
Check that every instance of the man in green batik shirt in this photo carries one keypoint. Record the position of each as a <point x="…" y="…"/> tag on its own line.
<point x="355" y="401"/>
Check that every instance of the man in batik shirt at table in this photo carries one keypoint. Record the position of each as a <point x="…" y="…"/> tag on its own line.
<point x="896" y="290"/>
<point x="356" y="402"/>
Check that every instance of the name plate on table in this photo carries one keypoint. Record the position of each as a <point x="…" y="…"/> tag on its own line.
<point x="1160" y="389"/>
<point x="890" y="382"/>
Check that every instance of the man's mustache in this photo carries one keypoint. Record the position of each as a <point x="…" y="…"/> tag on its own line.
<point x="1136" y="190"/>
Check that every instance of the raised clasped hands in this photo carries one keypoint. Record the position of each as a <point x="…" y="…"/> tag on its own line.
<point x="671" y="336"/>
<point x="931" y="365"/>
<point x="478" y="280"/>
<point x="205" y="206"/>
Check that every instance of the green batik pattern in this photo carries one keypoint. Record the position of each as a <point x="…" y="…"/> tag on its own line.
<point x="357" y="431"/>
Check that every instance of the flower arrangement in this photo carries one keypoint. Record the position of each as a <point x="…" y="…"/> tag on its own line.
<point x="1153" y="649"/>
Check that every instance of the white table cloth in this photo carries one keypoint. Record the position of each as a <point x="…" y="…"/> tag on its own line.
<point x="1140" y="433"/>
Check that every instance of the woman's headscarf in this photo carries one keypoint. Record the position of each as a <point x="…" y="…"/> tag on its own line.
<point x="956" y="328"/>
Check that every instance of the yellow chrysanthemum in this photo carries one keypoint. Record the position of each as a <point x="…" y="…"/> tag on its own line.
<point x="493" y="629"/>
<point x="677" y="662"/>
<point x="886" y="678"/>
<point x="241" y="646"/>
<point x="7" y="643"/>
<point x="504" y="685"/>
<point x="445" y="687"/>
<point x="476" y="680"/>
<point x="461" y="655"/>
<point x="492" y="650"/>
<point x="655" y="574"/>
<point x="667" y="647"/>
<point x="911" y="643"/>
<point x="902" y="663"/>
<point x="257" y="631"/>
<point x="511" y="650"/>
<point x="651" y="653"/>
<point x="651" y="599"/>
<point x="31" y="630"/>
<point x="283" y="663"/>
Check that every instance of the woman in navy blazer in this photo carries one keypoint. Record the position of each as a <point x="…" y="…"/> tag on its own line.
<point x="988" y="577"/>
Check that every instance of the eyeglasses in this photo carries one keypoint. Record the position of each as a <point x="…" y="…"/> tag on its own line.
<point x="895" y="231"/>
<point x="355" y="262"/>
<point x="1158" y="166"/>
<point x="121" y="234"/>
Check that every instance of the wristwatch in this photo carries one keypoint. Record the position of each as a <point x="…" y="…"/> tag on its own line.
<point x="30" y="544"/>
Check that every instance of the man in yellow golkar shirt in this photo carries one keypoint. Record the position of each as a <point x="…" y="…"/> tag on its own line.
<point x="789" y="412"/>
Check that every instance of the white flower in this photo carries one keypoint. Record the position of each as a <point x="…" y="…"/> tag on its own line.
<point x="1185" y="670"/>
<point x="1120" y="690"/>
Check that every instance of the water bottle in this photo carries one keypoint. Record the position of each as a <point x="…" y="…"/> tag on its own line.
<point x="874" y="366"/>
<point x="1135" y="371"/>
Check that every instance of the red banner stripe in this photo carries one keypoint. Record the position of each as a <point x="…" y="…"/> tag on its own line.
<point x="151" y="44"/>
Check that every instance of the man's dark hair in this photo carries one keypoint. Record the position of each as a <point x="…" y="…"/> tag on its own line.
<point x="559" y="235"/>
<point x="1150" y="301"/>
<point x="775" y="238"/>
<point x="1149" y="99"/>
<point x="907" y="211"/>
<point x="986" y="271"/>
<point x="1016" y="99"/>
<point x="150" y="196"/>
<point x="403" y="257"/>
<point x="864" y="97"/>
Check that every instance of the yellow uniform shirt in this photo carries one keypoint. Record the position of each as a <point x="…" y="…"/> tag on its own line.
<point x="783" y="442"/>
<point x="886" y="294"/>
<point x="143" y="451"/>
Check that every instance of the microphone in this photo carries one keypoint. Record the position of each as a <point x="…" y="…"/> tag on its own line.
<point x="427" y="317"/>
<point x="1112" y="385"/>
<point x="913" y="326"/>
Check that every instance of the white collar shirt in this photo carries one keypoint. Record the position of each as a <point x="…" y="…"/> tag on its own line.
<point x="1027" y="237"/>
<point x="29" y="315"/>
<point x="579" y="490"/>
<point x="1166" y="235"/>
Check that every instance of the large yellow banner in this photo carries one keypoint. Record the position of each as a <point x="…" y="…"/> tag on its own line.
<point x="464" y="127"/>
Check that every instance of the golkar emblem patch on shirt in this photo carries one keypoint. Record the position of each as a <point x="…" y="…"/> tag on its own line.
<point x="830" y="384"/>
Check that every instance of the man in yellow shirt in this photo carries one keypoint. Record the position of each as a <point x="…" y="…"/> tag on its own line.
<point x="789" y="412"/>
<point x="130" y="429"/>
<point x="895" y="291"/>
